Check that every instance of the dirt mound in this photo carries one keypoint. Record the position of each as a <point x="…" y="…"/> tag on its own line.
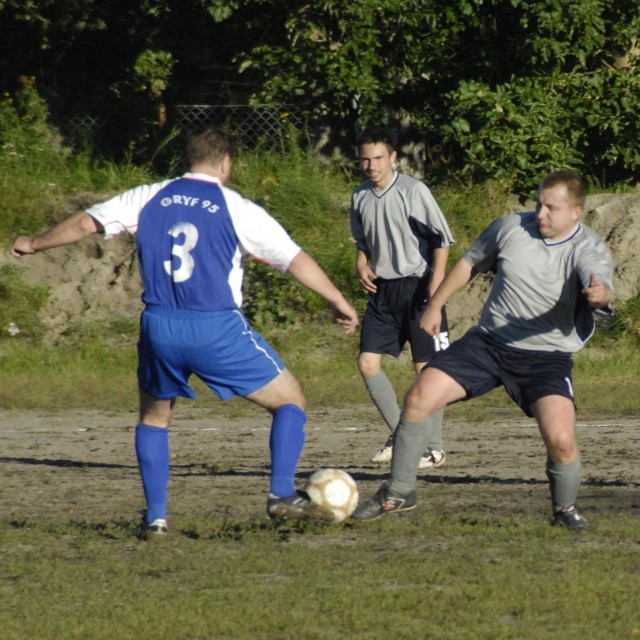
<point x="99" y="281"/>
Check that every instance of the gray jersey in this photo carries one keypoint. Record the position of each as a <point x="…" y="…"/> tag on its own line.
<point x="398" y="227"/>
<point x="536" y="301"/>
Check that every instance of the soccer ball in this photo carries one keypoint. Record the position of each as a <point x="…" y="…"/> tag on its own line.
<point x="335" y="490"/>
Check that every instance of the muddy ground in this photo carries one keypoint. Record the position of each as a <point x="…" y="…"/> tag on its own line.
<point x="80" y="465"/>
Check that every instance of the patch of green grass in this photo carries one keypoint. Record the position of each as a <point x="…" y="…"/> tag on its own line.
<point x="96" y="368"/>
<point x="414" y="576"/>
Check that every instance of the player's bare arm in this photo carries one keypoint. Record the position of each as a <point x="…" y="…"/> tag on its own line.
<point x="366" y="276"/>
<point x="309" y="273"/>
<point x="69" y="231"/>
<point x="459" y="276"/>
<point x="439" y="270"/>
<point x="598" y="294"/>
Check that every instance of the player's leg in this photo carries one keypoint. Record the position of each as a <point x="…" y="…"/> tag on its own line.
<point x="432" y="390"/>
<point x="383" y="396"/>
<point x="382" y="334"/>
<point x="380" y="388"/>
<point x="423" y="348"/>
<point x="284" y="399"/>
<point x="152" y="451"/>
<point x="556" y="418"/>
<point x="162" y="376"/>
<point x="434" y="455"/>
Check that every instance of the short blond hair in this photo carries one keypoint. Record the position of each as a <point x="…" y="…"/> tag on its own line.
<point x="576" y="187"/>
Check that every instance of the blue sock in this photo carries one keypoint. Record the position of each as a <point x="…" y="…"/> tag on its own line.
<point x="286" y="443"/>
<point x="152" y="450"/>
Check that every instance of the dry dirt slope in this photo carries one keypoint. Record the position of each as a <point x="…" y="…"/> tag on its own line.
<point x="100" y="280"/>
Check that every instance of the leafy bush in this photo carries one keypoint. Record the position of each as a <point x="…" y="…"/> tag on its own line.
<point x="527" y="127"/>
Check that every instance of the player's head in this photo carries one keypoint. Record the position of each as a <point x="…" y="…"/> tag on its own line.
<point x="576" y="188"/>
<point x="561" y="198"/>
<point x="377" y="155"/>
<point x="376" y="135"/>
<point x="209" y="147"/>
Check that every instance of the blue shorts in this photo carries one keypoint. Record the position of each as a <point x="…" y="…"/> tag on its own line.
<point x="219" y="347"/>
<point x="392" y="318"/>
<point x="479" y="364"/>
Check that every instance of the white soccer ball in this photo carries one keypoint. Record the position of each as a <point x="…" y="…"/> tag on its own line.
<point x="335" y="490"/>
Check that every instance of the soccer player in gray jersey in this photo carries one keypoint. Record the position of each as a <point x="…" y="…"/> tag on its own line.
<point x="551" y="273"/>
<point x="402" y="241"/>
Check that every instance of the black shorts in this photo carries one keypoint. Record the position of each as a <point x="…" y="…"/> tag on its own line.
<point x="392" y="319"/>
<point x="479" y="364"/>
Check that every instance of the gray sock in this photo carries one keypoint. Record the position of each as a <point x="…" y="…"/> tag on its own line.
<point x="409" y="443"/>
<point x="564" y="482"/>
<point x="435" y="440"/>
<point x="384" y="397"/>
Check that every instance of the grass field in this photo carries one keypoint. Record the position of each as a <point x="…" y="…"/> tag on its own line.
<point x="476" y="560"/>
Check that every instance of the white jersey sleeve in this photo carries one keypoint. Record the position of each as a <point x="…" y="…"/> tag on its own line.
<point x="259" y="234"/>
<point x="121" y="213"/>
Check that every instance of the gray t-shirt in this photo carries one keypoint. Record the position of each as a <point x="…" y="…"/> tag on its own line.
<point x="399" y="227"/>
<point x="536" y="301"/>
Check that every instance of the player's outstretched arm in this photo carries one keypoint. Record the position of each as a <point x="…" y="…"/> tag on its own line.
<point x="309" y="273"/>
<point x="461" y="273"/>
<point x="73" y="229"/>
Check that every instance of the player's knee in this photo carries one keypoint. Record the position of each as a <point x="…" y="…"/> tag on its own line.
<point x="368" y="366"/>
<point x="563" y="447"/>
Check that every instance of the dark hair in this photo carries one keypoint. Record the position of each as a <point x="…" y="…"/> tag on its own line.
<point x="576" y="187"/>
<point x="209" y="146"/>
<point x="376" y="135"/>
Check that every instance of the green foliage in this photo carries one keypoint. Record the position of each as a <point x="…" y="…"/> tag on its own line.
<point x="312" y="204"/>
<point x="38" y="172"/>
<point x="491" y="88"/>
<point x="624" y="326"/>
<point x="528" y="127"/>
<point x="507" y="90"/>
<point x="153" y="70"/>
<point x="20" y="305"/>
<point x="469" y="208"/>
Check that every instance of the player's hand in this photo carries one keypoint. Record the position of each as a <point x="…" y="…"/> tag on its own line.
<point x="22" y="246"/>
<point x="598" y="294"/>
<point x="366" y="277"/>
<point x="431" y="321"/>
<point x="346" y="316"/>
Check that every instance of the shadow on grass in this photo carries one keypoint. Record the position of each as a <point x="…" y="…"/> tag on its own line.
<point x="195" y="470"/>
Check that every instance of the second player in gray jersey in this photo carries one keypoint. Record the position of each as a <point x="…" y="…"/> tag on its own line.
<point x="551" y="273"/>
<point x="402" y="241"/>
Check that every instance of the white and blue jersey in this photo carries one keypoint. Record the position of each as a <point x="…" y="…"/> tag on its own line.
<point x="192" y="235"/>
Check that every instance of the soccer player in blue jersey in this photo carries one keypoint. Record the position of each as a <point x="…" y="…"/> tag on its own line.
<point x="192" y="234"/>
<point x="551" y="273"/>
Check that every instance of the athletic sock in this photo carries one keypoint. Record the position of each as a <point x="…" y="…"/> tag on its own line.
<point x="435" y="439"/>
<point x="564" y="482"/>
<point x="410" y="442"/>
<point x="286" y="442"/>
<point x="384" y="397"/>
<point x="152" y="450"/>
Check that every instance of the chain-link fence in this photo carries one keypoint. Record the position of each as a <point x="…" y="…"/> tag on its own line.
<point x="252" y="126"/>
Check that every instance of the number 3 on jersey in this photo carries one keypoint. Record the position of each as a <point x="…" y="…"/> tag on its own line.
<point x="182" y="251"/>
